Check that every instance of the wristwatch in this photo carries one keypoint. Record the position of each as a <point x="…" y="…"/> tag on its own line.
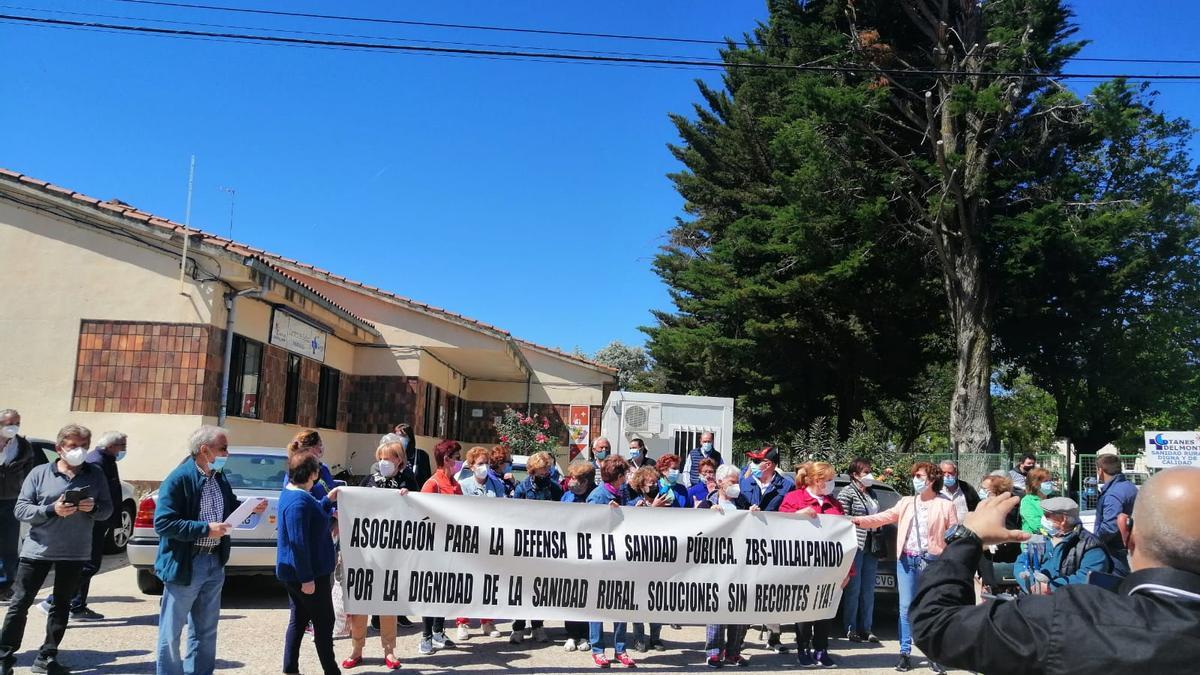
<point x="961" y="532"/>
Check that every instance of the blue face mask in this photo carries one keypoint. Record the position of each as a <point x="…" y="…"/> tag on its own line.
<point x="756" y="471"/>
<point x="120" y="455"/>
<point x="1047" y="488"/>
<point x="635" y="453"/>
<point x="950" y="481"/>
<point x="672" y="476"/>
<point x="918" y="485"/>
<point x="218" y="463"/>
<point x="707" y="447"/>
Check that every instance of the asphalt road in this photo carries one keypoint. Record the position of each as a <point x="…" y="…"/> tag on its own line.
<point x="254" y="615"/>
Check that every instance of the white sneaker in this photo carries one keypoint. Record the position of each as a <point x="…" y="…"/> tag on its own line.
<point x="583" y="646"/>
<point x="516" y="636"/>
<point x="569" y="645"/>
<point x="45" y="607"/>
<point x="462" y="633"/>
<point x="539" y="635"/>
<point x="426" y="646"/>
<point x="489" y="629"/>
<point x="440" y="641"/>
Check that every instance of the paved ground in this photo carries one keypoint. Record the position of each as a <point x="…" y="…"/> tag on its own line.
<point x="254" y="614"/>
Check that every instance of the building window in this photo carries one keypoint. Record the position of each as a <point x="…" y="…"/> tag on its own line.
<point x="428" y="421"/>
<point x="244" y="370"/>
<point x="291" y="396"/>
<point x="327" y="397"/>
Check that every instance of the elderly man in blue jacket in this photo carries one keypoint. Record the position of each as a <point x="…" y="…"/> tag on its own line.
<point x="193" y="547"/>
<point x="1076" y="552"/>
<point x="1117" y="495"/>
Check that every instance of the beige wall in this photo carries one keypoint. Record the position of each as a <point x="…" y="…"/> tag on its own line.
<point x="71" y="273"/>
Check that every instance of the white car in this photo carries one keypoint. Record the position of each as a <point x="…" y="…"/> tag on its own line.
<point x="120" y="535"/>
<point x="251" y="472"/>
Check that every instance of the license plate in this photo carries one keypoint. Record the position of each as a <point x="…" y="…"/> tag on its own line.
<point x="885" y="581"/>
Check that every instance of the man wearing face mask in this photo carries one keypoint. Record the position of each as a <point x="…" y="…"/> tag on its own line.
<point x="109" y="449"/>
<point x="61" y="501"/>
<point x="1018" y="473"/>
<point x="765" y="486"/>
<point x="963" y="495"/>
<point x="601" y="449"/>
<point x="418" y="459"/>
<point x="193" y="546"/>
<point x="1076" y="551"/>
<point x="1151" y="624"/>
<point x="17" y="459"/>
<point x="691" y="465"/>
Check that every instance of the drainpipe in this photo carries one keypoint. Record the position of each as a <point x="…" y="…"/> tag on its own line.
<point x="528" y="398"/>
<point x="230" y="314"/>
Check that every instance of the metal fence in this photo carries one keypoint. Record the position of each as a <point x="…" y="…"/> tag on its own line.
<point x="972" y="467"/>
<point x="1085" y="479"/>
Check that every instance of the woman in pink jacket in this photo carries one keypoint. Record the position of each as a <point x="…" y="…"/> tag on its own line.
<point x="921" y="523"/>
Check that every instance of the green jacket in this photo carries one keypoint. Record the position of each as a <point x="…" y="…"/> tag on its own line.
<point x="1031" y="514"/>
<point x="177" y="522"/>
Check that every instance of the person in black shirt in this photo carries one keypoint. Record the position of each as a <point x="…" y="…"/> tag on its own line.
<point x="1151" y="624"/>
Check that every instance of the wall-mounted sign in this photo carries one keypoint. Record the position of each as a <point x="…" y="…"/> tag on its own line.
<point x="298" y="336"/>
<point x="579" y="428"/>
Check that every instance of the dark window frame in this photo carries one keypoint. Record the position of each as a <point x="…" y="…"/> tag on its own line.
<point x="291" y="395"/>
<point x="328" y="389"/>
<point x="237" y="374"/>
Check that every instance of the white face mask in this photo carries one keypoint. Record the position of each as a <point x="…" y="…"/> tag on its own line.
<point x="387" y="468"/>
<point x="480" y="471"/>
<point x="733" y="491"/>
<point x="10" y="431"/>
<point x="866" y="477"/>
<point x="75" y="456"/>
<point x="828" y="489"/>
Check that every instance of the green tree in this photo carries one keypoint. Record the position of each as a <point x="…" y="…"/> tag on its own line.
<point x="792" y="293"/>
<point x="1101" y="280"/>
<point x="635" y="368"/>
<point x="1026" y="416"/>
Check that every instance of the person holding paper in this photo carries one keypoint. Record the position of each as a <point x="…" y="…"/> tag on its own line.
<point x="305" y="558"/>
<point x="193" y="547"/>
<point x="61" y="501"/>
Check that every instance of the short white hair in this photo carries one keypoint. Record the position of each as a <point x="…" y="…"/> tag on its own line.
<point x="389" y="438"/>
<point x="726" y="470"/>
<point x="205" y="435"/>
<point x="601" y="438"/>
<point x="9" y="412"/>
<point x="110" y="438"/>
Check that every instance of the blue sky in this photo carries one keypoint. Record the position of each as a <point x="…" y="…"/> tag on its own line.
<point x="528" y="195"/>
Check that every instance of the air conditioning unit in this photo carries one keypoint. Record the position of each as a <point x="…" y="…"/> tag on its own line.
<point x="642" y="418"/>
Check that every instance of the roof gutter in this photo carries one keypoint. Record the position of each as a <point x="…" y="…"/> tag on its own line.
<point x="270" y="272"/>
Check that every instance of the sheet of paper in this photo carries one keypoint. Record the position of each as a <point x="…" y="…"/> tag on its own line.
<point x="243" y="512"/>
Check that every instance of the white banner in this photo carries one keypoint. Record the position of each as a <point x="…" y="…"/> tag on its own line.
<point x="445" y="555"/>
<point x="1172" y="448"/>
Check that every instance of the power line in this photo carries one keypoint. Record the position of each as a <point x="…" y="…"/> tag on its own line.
<point x="545" y="31"/>
<point x="563" y="57"/>
<point x="426" y="24"/>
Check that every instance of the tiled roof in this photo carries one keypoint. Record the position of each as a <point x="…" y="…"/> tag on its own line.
<point x="119" y="208"/>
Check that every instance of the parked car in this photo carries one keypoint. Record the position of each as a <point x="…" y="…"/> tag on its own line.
<point x="885" y="574"/>
<point x="119" y="538"/>
<point x="251" y="472"/>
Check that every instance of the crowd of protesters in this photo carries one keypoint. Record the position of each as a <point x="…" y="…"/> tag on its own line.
<point x="69" y="505"/>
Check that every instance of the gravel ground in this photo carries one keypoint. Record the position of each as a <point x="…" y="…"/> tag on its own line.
<point x="254" y="615"/>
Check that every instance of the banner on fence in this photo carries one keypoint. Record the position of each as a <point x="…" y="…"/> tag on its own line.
<point x="444" y="555"/>
<point x="1172" y="448"/>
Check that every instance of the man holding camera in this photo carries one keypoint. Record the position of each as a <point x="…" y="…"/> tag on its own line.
<point x="61" y="501"/>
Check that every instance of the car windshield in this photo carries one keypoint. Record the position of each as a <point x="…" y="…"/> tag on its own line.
<point x="257" y="472"/>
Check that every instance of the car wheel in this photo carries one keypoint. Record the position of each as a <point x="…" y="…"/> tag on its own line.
<point x="148" y="583"/>
<point x="119" y="538"/>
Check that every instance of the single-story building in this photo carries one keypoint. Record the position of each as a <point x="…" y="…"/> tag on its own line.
<point x="100" y="327"/>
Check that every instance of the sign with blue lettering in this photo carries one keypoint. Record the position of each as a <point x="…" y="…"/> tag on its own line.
<point x="298" y="336"/>
<point x="1172" y="448"/>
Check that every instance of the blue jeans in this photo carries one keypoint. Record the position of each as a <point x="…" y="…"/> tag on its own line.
<point x="10" y="534"/>
<point x="199" y="605"/>
<point x="858" y="602"/>
<point x="596" y="637"/>
<point x="908" y="578"/>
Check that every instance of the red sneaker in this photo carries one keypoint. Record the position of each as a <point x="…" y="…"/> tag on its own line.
<point x="626" y="661"/>
<point x="601" y="661"/>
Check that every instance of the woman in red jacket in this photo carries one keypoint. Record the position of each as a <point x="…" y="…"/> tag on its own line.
<point x="813" y="496"/>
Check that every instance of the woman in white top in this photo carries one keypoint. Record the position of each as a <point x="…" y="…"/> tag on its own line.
<point x="858" y="601"/>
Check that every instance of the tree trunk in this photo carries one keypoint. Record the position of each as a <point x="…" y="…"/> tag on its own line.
<point x="971" y="421"/>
